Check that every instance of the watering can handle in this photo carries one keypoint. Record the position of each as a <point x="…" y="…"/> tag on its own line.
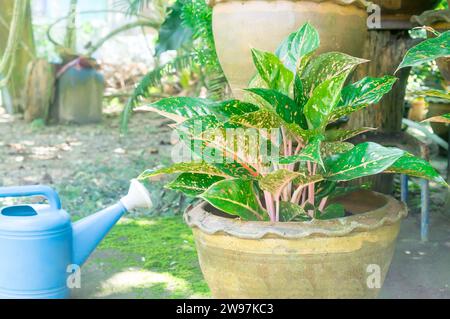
<point x="38" y="190"/>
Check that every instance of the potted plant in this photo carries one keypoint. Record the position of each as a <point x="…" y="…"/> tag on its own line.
<point x="276" y="220"/>
<point x="239" y="25"/>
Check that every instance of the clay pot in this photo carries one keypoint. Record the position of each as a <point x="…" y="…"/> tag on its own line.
<point x="405" y="7"/>
<point x="436" y="108"/>
<point x="319" y="259"/>
<point x="241" y="25"/>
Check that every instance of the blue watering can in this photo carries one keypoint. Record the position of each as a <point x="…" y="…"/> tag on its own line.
<point x="40" y="247"/>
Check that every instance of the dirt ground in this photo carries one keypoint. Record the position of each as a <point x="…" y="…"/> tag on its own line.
<point x="90" y="166"/>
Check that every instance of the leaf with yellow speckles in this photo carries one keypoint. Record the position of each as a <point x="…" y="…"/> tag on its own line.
<point x="290" y="212"/>
<point x="311" y="153"/>
<point x="272" y="70"/>
<point x="363" y="160"/>
<point x="229" y="108"/>
<point x="193" y="184"/>
<point x="326" y="66"/>
<point x="283" y="105"/>
<point x="414" y="166"/>
<point x="193" y="167"/>
<point x="179" y="109"/>
<point x="341" y="135"/>
<point x="324" y="99"/>
<point x="427" y="51"/>
<point x="332" y="148"/>
<point x="361" y="94"/>
<point x="298" y="46"/>
<point x="275" y="182"/>
<point x="236" y="197"/>
<point x="262" y="119"/>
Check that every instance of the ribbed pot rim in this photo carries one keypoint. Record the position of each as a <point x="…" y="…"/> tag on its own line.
<point x="389" y="213"/>
<point x="360" y="3"/>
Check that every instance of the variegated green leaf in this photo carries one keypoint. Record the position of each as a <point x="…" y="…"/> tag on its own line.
<point x="427" y="51"/>
<point x="196" y="125"/>
<point x="235" y="169"/>
<point x="311" y="153"/>
<point x="363" y="160"/>
<point x="332" y="148"/>
<point x="307" y="179"/>
<point x="262" y="119"/>
<point x="299" y="95"/>
<point x="327" y="66"/>
<point x="298" y="45"/>
<point x="193" y="184"/>
<point x="272" y="70"/>
<point x="235" y="197"/>
<point x="414" y="166"/>
<point x="325" y="98"/>
<point x="290" y="212"/>
<point x="340" y="135"/>
<point x="275" y="182"/>
<point x="331" y="212"/>
<point x="193" y="167"/>
<point x="179" y="109"/>
<point x="283" y="105"/>
<point x="433" y="93"/>
<point x="440" y="119"/>
<point x="227" y="109"/>
<point x="367" y="91"/>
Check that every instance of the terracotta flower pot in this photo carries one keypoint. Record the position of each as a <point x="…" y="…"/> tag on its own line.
<point x="405" y="7"/>
<point x="241" y="25"/>
<point x="341" y="258"/>
<point x="435" y="108"/>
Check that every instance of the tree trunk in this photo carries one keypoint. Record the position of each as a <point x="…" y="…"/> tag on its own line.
<point x="385" y="50"/>
<point x="24" y="54"/>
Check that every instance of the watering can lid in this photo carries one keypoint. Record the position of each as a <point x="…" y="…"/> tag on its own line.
<point x="32" y="218"/>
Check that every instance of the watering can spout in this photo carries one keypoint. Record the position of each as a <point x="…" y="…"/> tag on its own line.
<point x="89" y="232"/>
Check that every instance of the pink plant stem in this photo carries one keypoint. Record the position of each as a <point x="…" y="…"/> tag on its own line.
<point x="277" y="209"/>
<point x="311" y="190"/>
<point x="270" y="205"/>
<point x="323" y="203"/>
<point x="297" y="195"/>
<point x="303" y="198"/>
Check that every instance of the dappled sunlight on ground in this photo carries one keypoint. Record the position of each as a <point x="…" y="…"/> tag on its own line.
<point x="125" y="281"/>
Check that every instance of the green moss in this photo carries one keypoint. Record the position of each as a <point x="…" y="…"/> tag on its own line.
<point x="164" y="246"/>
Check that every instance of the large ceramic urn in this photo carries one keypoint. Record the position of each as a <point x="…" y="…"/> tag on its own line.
<point x="242" y="25"/>
<point x="405" y="7"/>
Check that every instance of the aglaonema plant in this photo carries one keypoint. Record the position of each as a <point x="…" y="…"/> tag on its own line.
<point x="427" y="51"/>
<point x="278" y="156"/>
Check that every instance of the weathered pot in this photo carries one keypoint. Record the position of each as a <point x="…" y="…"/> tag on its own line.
<point x="240" y="26"/>
<point x="405" y="7"/>
<point x="320" y="259"/>
<point x="438" y="107"/>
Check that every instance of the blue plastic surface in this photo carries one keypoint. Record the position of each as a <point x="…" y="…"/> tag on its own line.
<point x="39" y="246"/>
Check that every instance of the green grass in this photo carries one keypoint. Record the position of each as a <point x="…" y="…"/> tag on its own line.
<point x="163" y="246"/>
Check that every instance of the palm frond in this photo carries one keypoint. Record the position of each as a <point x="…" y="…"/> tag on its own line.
<point x="153" y="79"/>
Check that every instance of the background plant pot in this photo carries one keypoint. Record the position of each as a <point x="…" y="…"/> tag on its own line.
<point x="79" y="96"/>
<point x="241" y="25"/>
<point x="320" y="259"/>
<point x="405" y="7"/>
<point x="435" y="108"/>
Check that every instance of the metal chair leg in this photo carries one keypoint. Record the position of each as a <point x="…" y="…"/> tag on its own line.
<point x="425" y="217"/>
<point x="404" y="188"/>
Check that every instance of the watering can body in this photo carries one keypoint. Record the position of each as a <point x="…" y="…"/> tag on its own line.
<point x="40" y="249"/>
